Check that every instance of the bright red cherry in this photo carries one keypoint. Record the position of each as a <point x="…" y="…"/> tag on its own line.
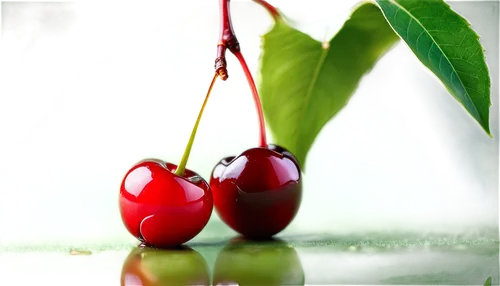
<point x="161" y="208"/>
<point x="257" y="193"/>
<point x="163" y="204"/>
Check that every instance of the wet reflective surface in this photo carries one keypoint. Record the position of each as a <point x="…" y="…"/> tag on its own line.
<point x="218" y="257"/>
<point x="280" y="263"/>
<point x="395" y="263"/>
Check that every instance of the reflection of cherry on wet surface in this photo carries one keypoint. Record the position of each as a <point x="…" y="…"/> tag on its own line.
<point x="248" y="263"/>
<point x="154" y="267"/>
<point x="338" y="260"/>
<point x="365" y="259"/>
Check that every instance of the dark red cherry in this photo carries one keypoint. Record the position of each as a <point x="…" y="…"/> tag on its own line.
<point x="257" y="193"/>
<point x="161" y="208"/>
<point x="159" y="267"/>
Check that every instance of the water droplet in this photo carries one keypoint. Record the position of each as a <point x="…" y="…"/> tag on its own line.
<point x="80" y="252"/>
<point x="353" y="248"/>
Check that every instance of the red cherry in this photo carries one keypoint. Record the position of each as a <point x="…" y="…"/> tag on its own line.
<point x="259" y="192"/>
<point x="161" y="208"/>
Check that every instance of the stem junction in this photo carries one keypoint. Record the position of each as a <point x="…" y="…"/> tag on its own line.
<point x="228" y="41"/>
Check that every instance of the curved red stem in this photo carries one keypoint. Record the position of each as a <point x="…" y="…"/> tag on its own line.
<point x="270" y="8"/>
<point x="228" y="40"/>
<point x="256" y="98"/>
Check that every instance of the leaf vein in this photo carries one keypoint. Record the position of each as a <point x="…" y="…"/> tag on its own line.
<point x="310" y="89"/>
<point x="453" y="70"/>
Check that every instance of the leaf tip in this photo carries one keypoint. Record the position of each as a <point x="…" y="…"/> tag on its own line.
<point x="488" y="282"/>
<point x="486" y="129"/>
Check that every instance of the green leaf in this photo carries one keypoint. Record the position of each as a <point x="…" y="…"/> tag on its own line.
<point x="444" y="42"/>
<point x="304" y="83"/>
<point x="488" y="282"/>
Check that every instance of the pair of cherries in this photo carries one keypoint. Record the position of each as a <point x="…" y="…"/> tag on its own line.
<point x="256" y="193"/>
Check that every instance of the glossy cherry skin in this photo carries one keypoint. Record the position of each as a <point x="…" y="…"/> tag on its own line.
<point x="162" y="209"/>
<point x="257" y="193"/>
<point x="159" y="267"/>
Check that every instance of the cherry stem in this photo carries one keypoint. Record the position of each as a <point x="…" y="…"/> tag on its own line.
<point x="270" y="7"/>
<point x="182" y="165"/>
<point x="228" y="40"/>
<point x="256" y="98"/>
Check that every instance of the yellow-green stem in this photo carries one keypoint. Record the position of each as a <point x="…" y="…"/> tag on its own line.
<point x="182" y="165"/>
